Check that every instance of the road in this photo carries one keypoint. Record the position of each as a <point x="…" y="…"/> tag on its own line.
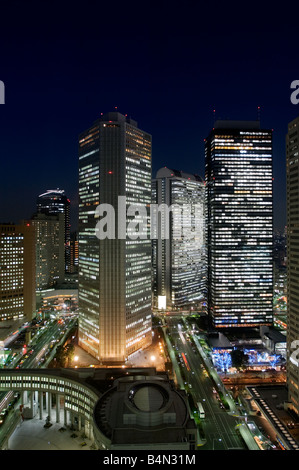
<point x="219" y="426"/>
<point x="42" y="344"/>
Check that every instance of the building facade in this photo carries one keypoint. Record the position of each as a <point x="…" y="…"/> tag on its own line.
<point x="74" y="252"/>
<point x="17" y="272"/>
<point x="114" y="272"/>
<point x="54" y="202"/>
<point x="239" y="182"/>
<point x="179" y="274"/>
<point x="49" y="248"/>
<point x="292" y="162"/>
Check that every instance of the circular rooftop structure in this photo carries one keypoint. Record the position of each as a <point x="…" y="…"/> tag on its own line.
<point x="144" y="412"/>
<point x="148" y="397"/>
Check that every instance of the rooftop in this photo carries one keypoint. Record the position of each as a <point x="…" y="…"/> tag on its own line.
<point x="138" y="410"/>
<point x="228" y="124"/>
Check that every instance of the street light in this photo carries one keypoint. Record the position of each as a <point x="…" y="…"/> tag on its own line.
<point x="215" y="439"/>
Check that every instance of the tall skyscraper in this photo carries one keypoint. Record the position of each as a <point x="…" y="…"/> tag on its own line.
<point x="53" y="202"/>
<point x="114" y="274"/>
<point x="17" y="272"/>
<point x="292" y="156"/>
<point x="49" y="247"/>
<point x="179" y="275"/>
<point x="239" y="224"/>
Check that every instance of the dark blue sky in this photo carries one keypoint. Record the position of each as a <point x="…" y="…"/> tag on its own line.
<point x="167" y="66"/>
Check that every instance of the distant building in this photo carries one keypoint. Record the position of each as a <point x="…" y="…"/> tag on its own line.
<point x="53" y="202"/>
<point x="275" y="341"/>
<point x="74" y="252"/>
<point x="58" y="301"/>
<point x="49" y="245"/>
<point x="239" y="184"/>
<point x="292" y="161"/>
<point x="17" y="272"/>
<point x="179" y="274"/>
<point x="114" y="273"/>
<point x="280" y="250"/>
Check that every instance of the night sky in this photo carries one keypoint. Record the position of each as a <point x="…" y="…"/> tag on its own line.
<point x="167" y="66"/>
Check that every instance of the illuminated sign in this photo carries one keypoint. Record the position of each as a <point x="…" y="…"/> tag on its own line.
<point x="162" y="302"/>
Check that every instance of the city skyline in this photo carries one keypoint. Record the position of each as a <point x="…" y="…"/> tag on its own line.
<point x="149" y="216"/>
<point x="25" y="209"/>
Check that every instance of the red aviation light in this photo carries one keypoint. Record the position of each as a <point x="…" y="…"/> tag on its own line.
<point x="110" y="172"/>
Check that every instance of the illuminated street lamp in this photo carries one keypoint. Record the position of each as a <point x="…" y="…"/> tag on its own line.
<point x="215" y="439"/>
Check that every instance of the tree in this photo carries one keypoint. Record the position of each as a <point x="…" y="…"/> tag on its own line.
<point x="239" y="358"/>
<point x="69" y="352"/>
<point x="60" y="356"/>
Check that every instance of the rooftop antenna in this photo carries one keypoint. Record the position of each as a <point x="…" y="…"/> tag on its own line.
<point x="214" y="116"/>
<point x="259" y="113"/>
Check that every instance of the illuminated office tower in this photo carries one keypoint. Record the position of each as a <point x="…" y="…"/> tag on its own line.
<point x="74" y="252"/>
<point x="49" y="249"/>
<point x="53" y="202"/>
<point x="17" y="272"/>
<point x="114" y="274"/>
<point x="239" y="224"/>
<point x="292" y="154"/>
<point x="179" y="275"/>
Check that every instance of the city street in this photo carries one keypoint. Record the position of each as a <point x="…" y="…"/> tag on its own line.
<point x="219" y="426"/>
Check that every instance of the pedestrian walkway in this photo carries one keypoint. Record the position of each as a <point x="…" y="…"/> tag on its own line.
<point x="31" y="434"/>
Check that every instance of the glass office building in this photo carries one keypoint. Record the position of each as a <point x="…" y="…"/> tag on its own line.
<point x="17" y="272"/>
<point x="292" y="156"/>
<point x="238" y="158"/>
<point x="55" y="202"/>
<point x="179" y="274"/>
<point x="114" y="273"/>
<point x="49" y="249"/>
